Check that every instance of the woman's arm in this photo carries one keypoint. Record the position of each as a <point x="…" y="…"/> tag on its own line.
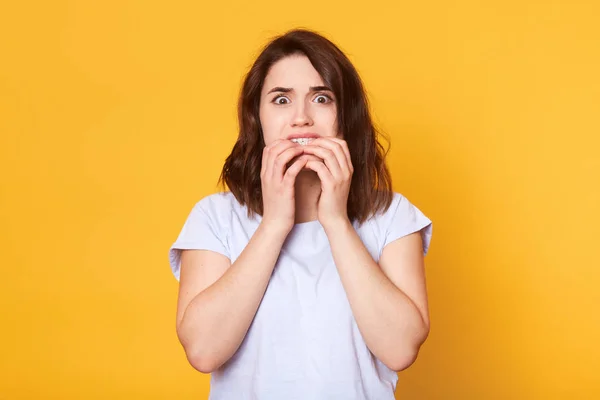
<point x="389" y="300"/>
<point x="217" y="300"/>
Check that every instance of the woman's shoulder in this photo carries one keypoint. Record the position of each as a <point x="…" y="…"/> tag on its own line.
<point x="221" y="206"/>
<point x="401" y="218"/>
<point x="217" y="199"/>
<point x="400" y="208"/>
<point x="217" y="202"/>
<point x="397" y="198"/>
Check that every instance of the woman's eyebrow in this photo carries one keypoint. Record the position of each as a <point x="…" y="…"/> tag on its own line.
<point x="312" y="89"/>
<point x="320" y="89"/>
<point x="280" y="89"/>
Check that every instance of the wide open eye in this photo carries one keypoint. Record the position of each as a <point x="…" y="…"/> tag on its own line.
<point x="322" y="99"/>
<point x="281" y="100"/>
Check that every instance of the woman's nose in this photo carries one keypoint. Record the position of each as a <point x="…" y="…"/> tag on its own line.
<point x="301" y="116"/>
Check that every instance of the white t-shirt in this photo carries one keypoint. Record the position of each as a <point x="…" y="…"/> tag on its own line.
<point x="304" y="343"/>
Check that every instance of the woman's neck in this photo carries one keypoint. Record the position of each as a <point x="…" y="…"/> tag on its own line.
<point x="307" y="192"/>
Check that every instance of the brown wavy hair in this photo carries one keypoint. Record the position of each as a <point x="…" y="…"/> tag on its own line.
<point x="371" y="186"/>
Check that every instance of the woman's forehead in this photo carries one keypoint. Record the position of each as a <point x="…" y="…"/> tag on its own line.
<point x="294" y="72"/>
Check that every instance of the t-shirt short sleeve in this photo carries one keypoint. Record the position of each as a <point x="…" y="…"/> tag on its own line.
<point x="201" y="231"/>
<point x="405" y="218"/>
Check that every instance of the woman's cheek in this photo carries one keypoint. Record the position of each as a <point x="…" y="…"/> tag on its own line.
<point x="269" y="129"/>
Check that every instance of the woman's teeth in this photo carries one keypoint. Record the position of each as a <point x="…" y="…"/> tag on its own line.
<point x="302" y="141"/>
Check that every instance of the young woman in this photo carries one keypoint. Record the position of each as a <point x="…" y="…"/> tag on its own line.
<point x="306" y="279"/>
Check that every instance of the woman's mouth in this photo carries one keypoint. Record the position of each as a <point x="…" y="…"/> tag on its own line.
<point x="302" y="141"/>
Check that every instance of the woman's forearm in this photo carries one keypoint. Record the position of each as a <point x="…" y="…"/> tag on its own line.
<point x="390" y="322"/>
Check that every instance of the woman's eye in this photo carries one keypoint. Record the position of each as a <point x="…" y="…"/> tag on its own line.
<point x="322" y="98"/>
<point x="281" y="100"/>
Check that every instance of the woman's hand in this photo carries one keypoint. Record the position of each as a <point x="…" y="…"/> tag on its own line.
<point x="335" y="172"/>
<point x="277" y="182"/>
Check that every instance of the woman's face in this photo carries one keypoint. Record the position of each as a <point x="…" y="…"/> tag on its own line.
<point x="295" y="101"/>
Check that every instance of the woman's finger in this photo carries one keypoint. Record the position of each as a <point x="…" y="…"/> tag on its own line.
<point x="322" y="171"/>
<point x="328" y="157"/>
<point x="289" y="177"/>
<point x="271" y="152"/>
<point x="346" y="150"/>
<point x="283" y="159"/>
<point x="338" y="151"/>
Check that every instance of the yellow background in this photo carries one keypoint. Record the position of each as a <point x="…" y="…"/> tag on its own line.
<point x="116" y="117"/>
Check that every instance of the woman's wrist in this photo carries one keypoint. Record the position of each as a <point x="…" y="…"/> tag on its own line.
<point x="274" y="229"/>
